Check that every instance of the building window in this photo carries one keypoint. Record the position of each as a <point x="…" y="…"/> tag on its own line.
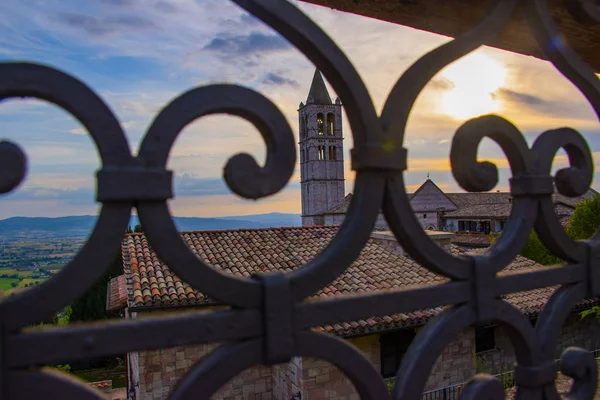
<point x="320" y="124"/>
<point x="424" y="216"/>
<point x="330" y="124"/>
<point x="321" y="150"/>
<point x="331" y="153"/>
<point x="304" y="127"/>
<point x="393" y="346"/>
<point x="484" y="339"/>
<point x="302" y="155"/>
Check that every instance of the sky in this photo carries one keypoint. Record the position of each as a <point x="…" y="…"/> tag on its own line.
<point x="140" y="54"/>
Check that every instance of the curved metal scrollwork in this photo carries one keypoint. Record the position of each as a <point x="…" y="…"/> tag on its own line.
<point x="269" y="321"/>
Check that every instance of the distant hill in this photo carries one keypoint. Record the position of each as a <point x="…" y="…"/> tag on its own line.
<point x="73" y="226"/>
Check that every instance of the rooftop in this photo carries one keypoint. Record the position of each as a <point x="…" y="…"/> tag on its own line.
<point x="243" y="252"/>
<point x="481" y="205"/>
<point x="318" y="90"/>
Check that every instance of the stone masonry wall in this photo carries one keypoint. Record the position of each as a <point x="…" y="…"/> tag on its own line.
<point x="314" y="379"/>
<point x="456" y="364"/>
<point x="575" y="332"/>
<point x="161" y="370"/>
<point x="287" y="380"/>
<point x="323" y="380"/>
<point x="581" y="333"/>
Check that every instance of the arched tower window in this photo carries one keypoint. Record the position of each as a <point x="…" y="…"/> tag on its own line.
<point x="331" y="152"/>
<point x="304" y="126"/>
<point x="320" y="124"/>
<point x="330" y="124"/>
<point x="321" y="150"/>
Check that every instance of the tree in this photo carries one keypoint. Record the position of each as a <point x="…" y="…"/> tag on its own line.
<point x="583" y="224"/>
<point x="535" y="250"/>
<point x="14" y="284"/>
<point x="585" y="220"/>
<point x="136" y="229"/>
<point x="92" y="305"/>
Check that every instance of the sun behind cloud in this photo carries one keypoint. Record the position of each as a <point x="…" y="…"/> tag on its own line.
<point x="475" y="79"/>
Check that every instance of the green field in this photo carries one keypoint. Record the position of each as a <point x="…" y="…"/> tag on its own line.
<point x="12" y="271"/>
<point x="6" y="284"/>
<point x="28" y="281"/>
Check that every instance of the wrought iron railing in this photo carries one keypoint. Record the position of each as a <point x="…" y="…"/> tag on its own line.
<point x="508" y="378"/>
<point x="269" y="322"/>
<point x="445" y="393"/>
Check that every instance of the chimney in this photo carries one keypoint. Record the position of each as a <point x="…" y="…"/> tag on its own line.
<point x="443" y="239"/>
<point x="387" y="239"/>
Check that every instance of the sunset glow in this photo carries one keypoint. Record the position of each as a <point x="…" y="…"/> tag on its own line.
<point x="474" y="78"/>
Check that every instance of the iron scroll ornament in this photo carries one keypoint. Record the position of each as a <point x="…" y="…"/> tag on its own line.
<point x="269" y="321"/>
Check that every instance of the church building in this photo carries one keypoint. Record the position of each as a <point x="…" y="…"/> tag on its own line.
<point x="148" y="287"/>
<point x="321" y="155"/>
<point x="473" y="216"/>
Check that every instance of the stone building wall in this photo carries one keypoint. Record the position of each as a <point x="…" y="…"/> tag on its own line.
<point x="575" y="332"/>
<point x="337" y="219"/>
<point x="581" y="333"/>
<point x="500" y="360"/>
<point x="161" y="370"/>
<point x="314" y="379"/>
<point x="287" y="380"/>
<point x="456" y="364"/>
<point x="323" y="380"/>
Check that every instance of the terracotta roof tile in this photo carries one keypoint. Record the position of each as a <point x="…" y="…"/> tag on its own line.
<point x="116" y="296"/>
<point x="471" y="239"/>
<point x="482" y="205"/>
<point x="248" y="251"/>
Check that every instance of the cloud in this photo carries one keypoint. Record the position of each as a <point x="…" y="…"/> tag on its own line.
<point x="247" y="44"/>
<point x="189" y="185"/>
<point x="71" y="197"/>
<point x="120" y="2"/>
<point x="96" y="26"/>
<point x="82" y="131"/>
<point x="186" y="185"/>
<point x="574" y="111"/>
<point x="518" y="97"/>
<point x="249" y="19"/>
<point x="166" y="7"/>
<point x="78" y="131"/>
<point x="278" y="80"/>
<point x="441" y="84"/>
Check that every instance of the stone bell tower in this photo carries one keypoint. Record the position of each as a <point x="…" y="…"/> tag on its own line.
<point x="321" y="153"/>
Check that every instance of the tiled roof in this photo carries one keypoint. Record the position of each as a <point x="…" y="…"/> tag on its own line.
<point x="150" y="283"/>
<point x="471" y="239"/>
<point x="341" y="208"/>
<point x="116" y="296"/>
<point x="484" y="205"/>
<point x="470" y="199"/>
<point x="481" y="211"/>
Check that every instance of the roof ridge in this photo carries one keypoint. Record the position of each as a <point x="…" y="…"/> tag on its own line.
<point x="272" y="228"/>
